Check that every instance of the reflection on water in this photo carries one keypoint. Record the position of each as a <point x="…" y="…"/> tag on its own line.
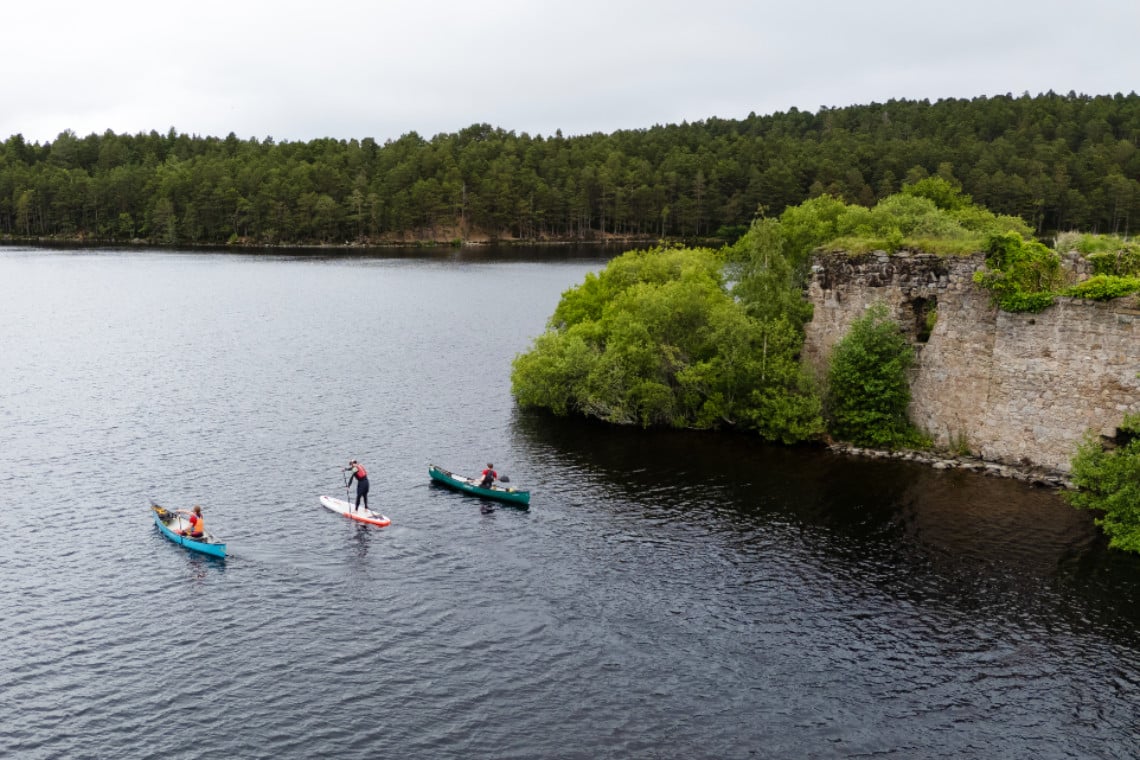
<point x="921" y="535"/>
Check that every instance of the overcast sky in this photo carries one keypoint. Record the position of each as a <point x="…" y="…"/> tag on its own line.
<point x="354" y="69"/>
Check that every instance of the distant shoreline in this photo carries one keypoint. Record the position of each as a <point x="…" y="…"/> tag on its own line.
<point x="74" y="242"/>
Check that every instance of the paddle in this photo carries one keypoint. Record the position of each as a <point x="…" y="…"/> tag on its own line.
<point x="346" y="481"/>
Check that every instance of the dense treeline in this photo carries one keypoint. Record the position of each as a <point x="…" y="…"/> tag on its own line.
<point x="1059" y="162"/>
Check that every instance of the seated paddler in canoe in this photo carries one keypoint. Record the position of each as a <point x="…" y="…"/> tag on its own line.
<point x="183" y="522"/>
<point x="486" y="483"/>
<point x="197" y="527"/>
<point x="187" y="528"/>
<point x="488" y="477"/>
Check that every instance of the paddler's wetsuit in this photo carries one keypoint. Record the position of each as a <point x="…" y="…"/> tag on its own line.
<point x="361" y="476"/>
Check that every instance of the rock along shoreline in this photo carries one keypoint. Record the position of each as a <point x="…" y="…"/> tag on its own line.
<point x="1033" y="475"/>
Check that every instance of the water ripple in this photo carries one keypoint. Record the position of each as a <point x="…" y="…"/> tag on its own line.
<point x="668" y="594"/>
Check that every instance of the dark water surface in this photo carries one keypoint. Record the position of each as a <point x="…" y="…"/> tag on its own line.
<point x="667" y="595"/>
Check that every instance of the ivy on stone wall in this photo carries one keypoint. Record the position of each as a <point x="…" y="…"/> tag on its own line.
<point x="1108" y="254"/>
<point x="1103" y="287"/>
<point x="1025" y="275"/>
<point x="1021" y="275"/>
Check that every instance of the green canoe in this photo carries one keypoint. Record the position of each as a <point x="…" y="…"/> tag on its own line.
<point x="469" y="485"/>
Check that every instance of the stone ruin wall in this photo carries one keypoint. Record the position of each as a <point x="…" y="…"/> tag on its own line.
<point x="1019" y="389"/>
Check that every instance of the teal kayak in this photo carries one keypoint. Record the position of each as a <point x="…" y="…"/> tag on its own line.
<point x="169" y="524"/>
<point x="469" y="486"/>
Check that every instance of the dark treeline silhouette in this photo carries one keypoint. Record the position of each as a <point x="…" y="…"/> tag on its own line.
<point x="1059" y="161"/>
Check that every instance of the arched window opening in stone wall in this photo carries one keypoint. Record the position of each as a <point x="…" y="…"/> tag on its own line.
<point x="924" y="312"/>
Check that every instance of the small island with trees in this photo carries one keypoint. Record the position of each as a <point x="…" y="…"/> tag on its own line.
<point x="712" y="338"/>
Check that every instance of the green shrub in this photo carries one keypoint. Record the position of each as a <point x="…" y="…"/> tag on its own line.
<point x="868" y="391"/>
<point x="656" y="339"/>
<point x="1122" y="261"/>
<point x="942" y="192"/>
<point x="1088" y="244"/>
<point x="1021" y="275"/>
<point x="1104" y="287"/>
<point x="1108" y="254"/>
<point x="1025" y="276"/>
<point x="768" y="279"/>
<point x="549" y="373"/>
<point x="930" y="216"/>
<point x="586" y="302"/>
<point x="1108" y="481"/>
<point x="810" y="225"/>
<point x="913" y="216"/>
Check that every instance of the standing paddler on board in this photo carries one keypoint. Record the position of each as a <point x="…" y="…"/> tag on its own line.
<point x="361" y="476"/>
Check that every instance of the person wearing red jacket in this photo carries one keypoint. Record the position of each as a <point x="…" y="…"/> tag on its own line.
<point x="197" y="527"/>
<point x="361" y="476"/>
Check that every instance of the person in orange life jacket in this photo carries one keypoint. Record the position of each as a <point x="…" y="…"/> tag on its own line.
<point x="489" y="476"/>
<point x="197" y="524"/>
<point x="361" y="475"/>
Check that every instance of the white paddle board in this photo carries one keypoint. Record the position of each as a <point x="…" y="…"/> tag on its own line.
<point x="362" y="515"/>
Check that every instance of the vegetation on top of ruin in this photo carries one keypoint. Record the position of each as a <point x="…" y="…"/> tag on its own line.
<point x="932" y="215"/>
<point x="1026" y="276"/>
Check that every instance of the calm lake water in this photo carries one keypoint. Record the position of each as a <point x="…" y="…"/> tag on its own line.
<point x="667" y="595"/>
